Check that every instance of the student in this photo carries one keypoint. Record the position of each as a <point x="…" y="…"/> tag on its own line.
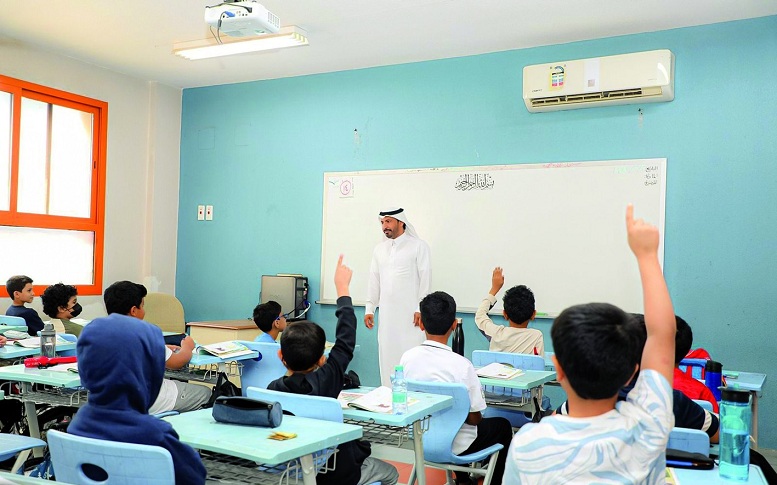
<point x="682" y="382"/>
<point x="596" y="353"/>
<point x="61" y="301"/>
<point x="518" y="311"/>
<point x="128" y="298"/>
<point x="311" y="373"/>
<point x="687" y="414"/>
<point x="435" y="361"/>
<point x="121" y="361"/>
<point x="20" y="291"/>
<point x="270" y="320"/>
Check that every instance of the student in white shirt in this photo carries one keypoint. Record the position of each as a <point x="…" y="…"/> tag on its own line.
<point x="596" y="353"/>
<point x="435" y="361"/>
<point x="518" y="311"/>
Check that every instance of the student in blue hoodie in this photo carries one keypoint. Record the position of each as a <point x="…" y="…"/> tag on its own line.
<point x="121" y="361"/>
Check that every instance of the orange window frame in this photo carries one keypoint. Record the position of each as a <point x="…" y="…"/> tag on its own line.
<point x="96" y="222"/>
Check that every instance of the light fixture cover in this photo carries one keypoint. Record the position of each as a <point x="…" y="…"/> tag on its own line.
<point x="291" y="36"/>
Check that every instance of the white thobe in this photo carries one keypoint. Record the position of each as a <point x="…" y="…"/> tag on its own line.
<point x="400" y="276"/>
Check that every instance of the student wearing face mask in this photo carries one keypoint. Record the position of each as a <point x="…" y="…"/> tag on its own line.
<point x="61" y="301"/>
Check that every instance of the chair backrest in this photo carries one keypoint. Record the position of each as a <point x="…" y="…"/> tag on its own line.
<point x="70" y="338"/>
<point x="314" y="407"/>
<point x="704" y="404"/>
<point x="14" y="321"/>
<point x="262" y="372"/>
<point x="88" y="461"/>
<point x="696" y="367"/>
<point x="445" y="424"/>
<point x="519" y="361"/>
<point x="165" y="311"/>
<point x="691" y="440"/>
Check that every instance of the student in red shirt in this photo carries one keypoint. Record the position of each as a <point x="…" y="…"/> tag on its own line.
<point x="683" y="382"/>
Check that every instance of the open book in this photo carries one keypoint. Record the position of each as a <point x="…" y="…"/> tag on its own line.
<point x="497" y="370"/>
<point x="34" y="342"/>
<point x="224" y="350"/>
<point x="377" y="400"/>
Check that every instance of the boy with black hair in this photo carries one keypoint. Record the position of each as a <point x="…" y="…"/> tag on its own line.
<point x="128" y="298"/>
<point x="518" y="311"/>
<point x="270" y="320"/>
<point x="596" y="353"/>
<point x="435" y="361"/>
<point x="20" y="290"/>
<point x="687" y="414"/>
<point x="121" y="362"/>
<point x="682" y="382"/>
<point x="61" y="301"/>
<point x="311" y="373"/>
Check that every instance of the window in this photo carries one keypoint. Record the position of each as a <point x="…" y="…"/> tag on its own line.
<point x="52" y="186"/>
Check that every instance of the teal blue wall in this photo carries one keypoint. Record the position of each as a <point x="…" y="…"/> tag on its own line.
<point x="257" y="151"/>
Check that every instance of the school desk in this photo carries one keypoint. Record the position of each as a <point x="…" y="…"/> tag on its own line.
<point x="199" y="430"/>
<point x="529" y="380"/>
<point x="8" y="477"/>
<point x="393" y="430"/>
<point x="712" y="477"/>
<point x="10" y="351"/>
<point x="65" y="392"/>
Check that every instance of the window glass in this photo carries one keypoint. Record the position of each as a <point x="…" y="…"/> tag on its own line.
<point x="70" y="175"/>
<point x="33" y="147"/>
<point x="5" y="150"/>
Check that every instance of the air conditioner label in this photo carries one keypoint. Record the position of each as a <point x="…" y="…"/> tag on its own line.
<point x="557" y="75"/>
<point x="592" y="75"/>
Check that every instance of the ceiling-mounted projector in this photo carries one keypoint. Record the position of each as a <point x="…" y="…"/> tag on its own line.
<point x="240" y="19"/>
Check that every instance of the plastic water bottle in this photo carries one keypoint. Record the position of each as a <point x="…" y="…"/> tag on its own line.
<point x="712" y="377"/>
<point x="457" y="342"/>
<point x="399" y="391"/>
<point x="48" y="341"/>
<point x="735" y="416"/>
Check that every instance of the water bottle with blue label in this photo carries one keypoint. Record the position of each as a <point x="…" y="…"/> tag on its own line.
<point x="735" y="419"/>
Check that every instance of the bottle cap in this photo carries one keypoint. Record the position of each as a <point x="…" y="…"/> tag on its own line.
<point x="712" y="366"/>
<point x="734" y="395"/>
<point x="48" y="326"/>
<point x="399" y="367"/>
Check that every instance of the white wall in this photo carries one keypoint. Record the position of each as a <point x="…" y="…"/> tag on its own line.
<point x="144" y="120"/>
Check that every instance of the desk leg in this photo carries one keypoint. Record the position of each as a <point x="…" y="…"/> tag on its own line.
<point x="418" y="448"/>
<point x="32" y="418"/>
<point x="755" y="418"/>
<point x="308" y="470"/>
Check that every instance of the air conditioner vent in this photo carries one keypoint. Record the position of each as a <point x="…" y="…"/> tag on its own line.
<point x="598" y="97"/>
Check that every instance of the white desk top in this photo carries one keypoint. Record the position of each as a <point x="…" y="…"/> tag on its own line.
<point x="712" y="477"/>
<point x="426" y="405"/>
<point x="10" y="351"/>
<point x="528" y="380"/>
<point x="199" y="430"/>
<point x="19" y="373"/>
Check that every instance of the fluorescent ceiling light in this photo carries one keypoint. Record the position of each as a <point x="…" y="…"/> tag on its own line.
<point x="291" y="36"/>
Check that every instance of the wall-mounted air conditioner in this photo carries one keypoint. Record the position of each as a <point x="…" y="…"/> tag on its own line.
<point x="641" y="77"/>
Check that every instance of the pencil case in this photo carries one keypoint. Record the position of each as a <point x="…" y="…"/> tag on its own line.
<point x="247" y="411"/>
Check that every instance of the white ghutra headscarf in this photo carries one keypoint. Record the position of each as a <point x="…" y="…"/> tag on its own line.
<point x="398" y="213"/>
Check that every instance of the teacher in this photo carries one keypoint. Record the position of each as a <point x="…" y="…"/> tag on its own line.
<point x="400" y="276"/>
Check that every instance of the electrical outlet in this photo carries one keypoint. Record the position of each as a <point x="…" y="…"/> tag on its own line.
<point x="200" y="212"/>
<point x="208" y="212"/>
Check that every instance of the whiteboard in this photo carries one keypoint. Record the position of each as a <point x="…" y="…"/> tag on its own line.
<point x="558" y="228"/>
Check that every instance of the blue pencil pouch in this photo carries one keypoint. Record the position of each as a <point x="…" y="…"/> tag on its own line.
<point x="247" y="411"/>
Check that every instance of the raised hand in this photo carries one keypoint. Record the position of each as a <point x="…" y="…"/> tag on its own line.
<point x="497" y="280"/>
<point x="342" y="278"/>
<point x="643" y="237"/>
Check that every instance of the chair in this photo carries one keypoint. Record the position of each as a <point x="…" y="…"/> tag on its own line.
<point x="12" y="321"/>
<point x="165" y="311"/>
<point x="262" y="371"/>
<point x="704" y="404"/>
<point x="11" y="444"/>
<point x="519" y="361"/>
<point x="443" y="427"/>
<point x="691" y="440"/>
<point x="70" y="338"/>
<point x="88" y="461"/>
<point x="696" y="367"/>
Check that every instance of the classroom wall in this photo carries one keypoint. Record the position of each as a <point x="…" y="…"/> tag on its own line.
<point x="141" y="204"/>
<point x="257" y="151"/>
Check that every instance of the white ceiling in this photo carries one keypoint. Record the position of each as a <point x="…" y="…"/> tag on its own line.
<point x="136" y="36"/>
